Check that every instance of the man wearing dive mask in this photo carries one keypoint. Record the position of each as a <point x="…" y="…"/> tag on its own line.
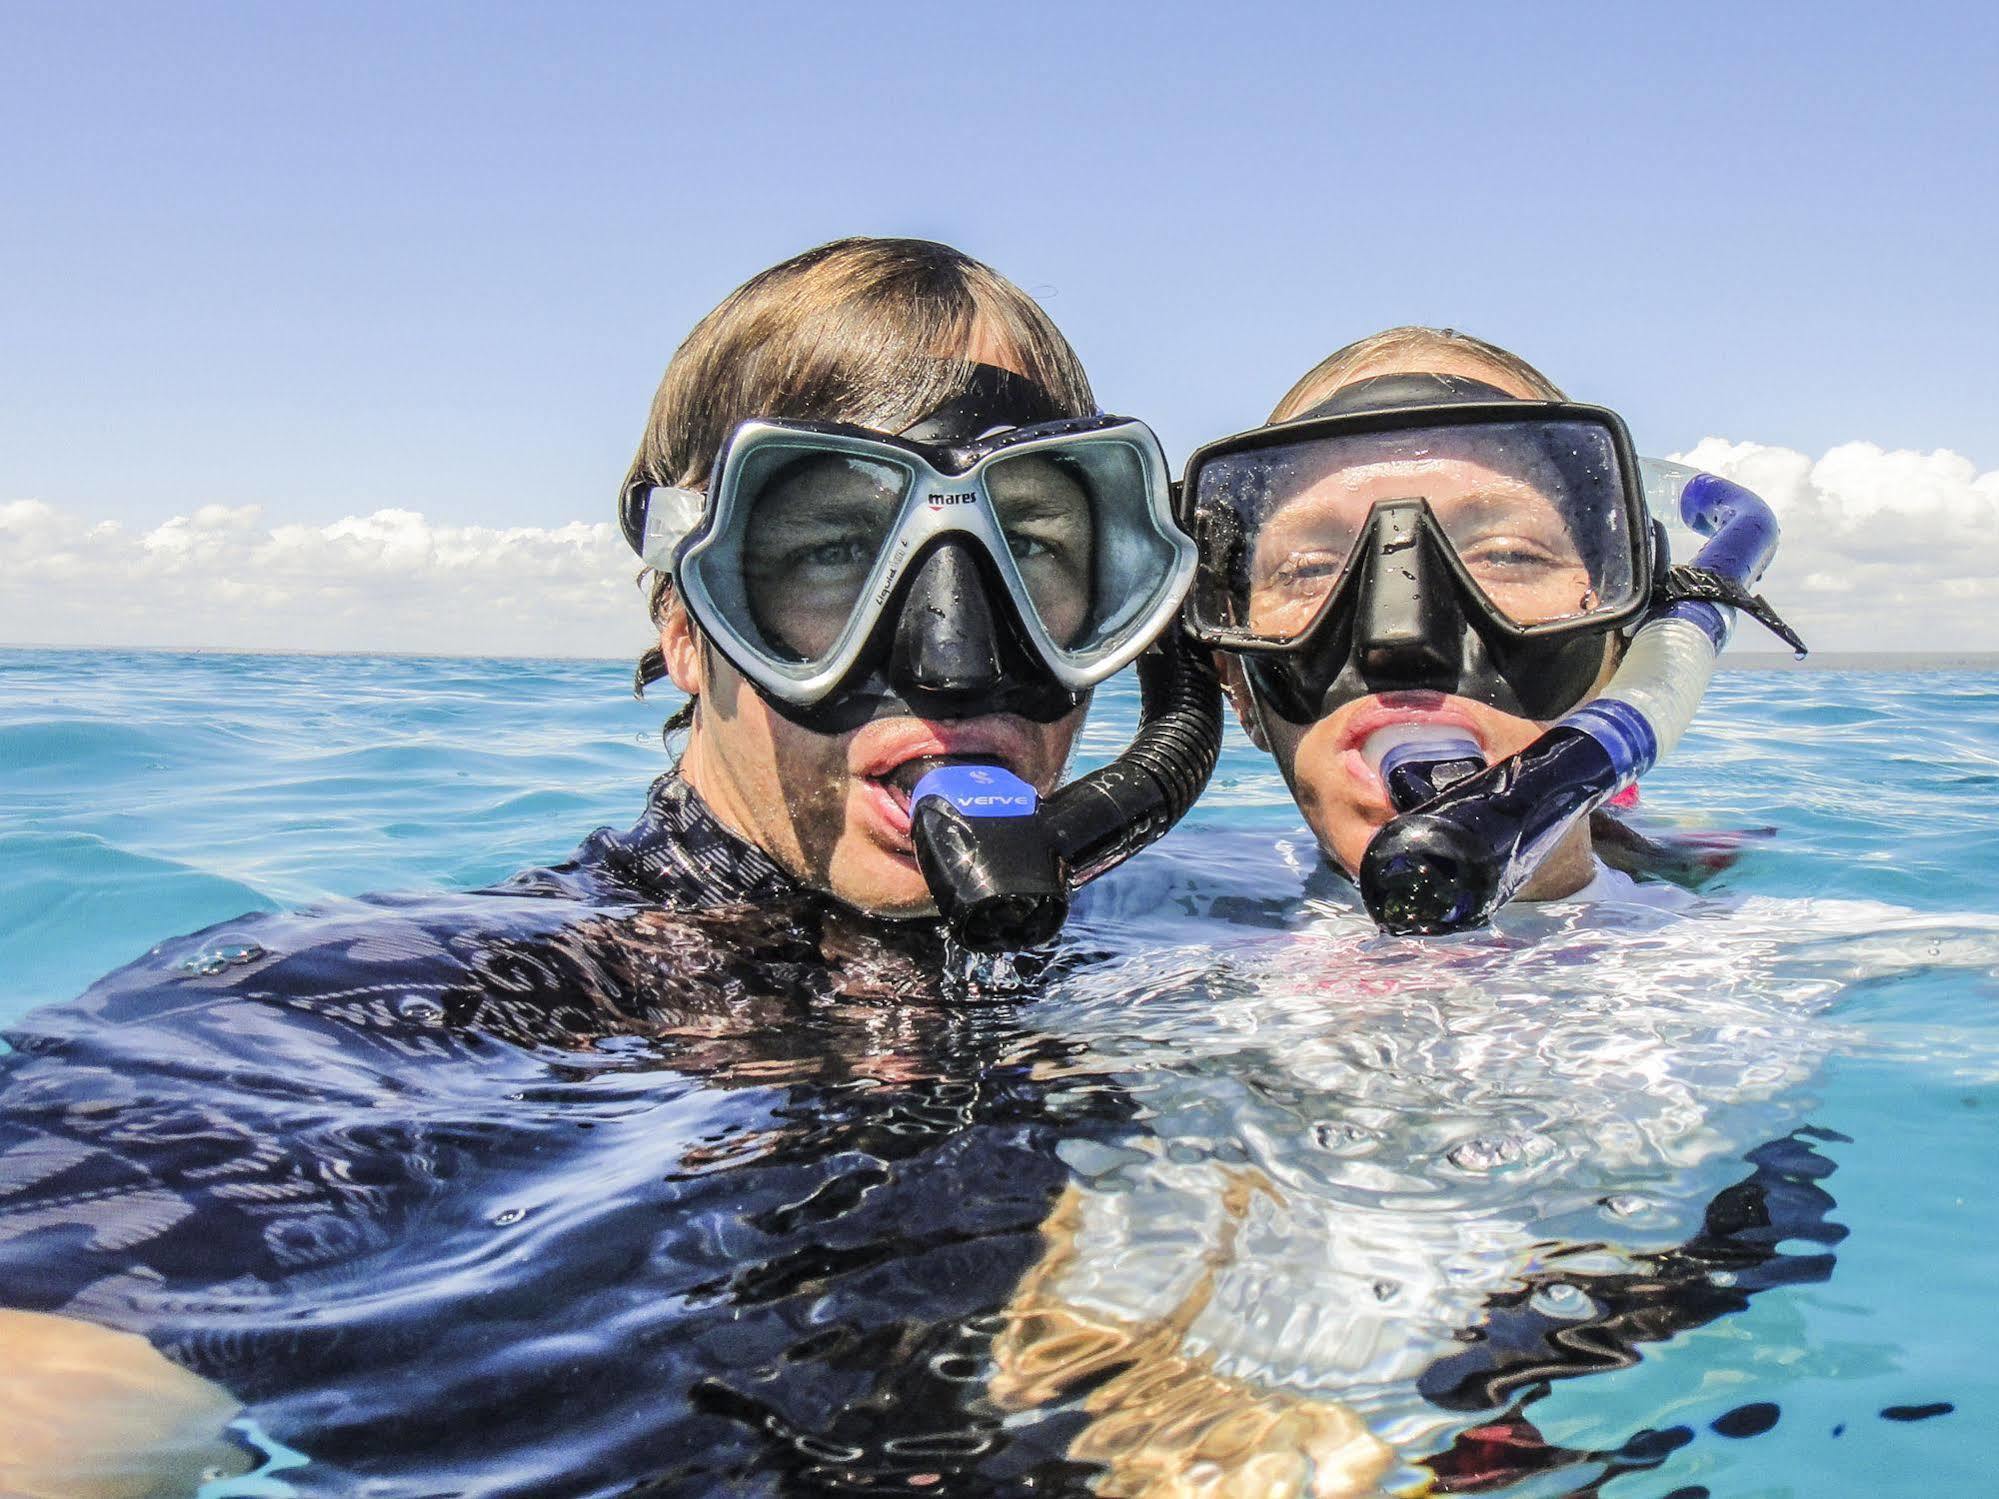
<point x="1430" y="549"/>
<point x="890" y="531"/>
<point x="853" y="607"/>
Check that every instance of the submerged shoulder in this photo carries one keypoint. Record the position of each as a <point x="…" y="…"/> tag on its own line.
<point x="377" y="963"/>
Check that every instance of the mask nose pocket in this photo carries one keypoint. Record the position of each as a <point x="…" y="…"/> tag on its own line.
<point x="946" y="639"/>
<point x="1408" y="631"/>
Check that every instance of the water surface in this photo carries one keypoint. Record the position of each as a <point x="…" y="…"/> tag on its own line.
<point x="1374" y="1147"/>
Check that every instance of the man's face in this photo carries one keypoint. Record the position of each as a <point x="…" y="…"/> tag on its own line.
<point x="833" y="809"/>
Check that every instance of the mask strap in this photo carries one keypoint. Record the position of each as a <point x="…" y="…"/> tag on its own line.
<point x="992" y="398"/>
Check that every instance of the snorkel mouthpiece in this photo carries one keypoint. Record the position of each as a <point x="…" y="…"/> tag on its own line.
<point x="1002" y="862"/>
<point x="990" y="864"/>
<point x="1418" y="765"/>
<point x="1447" y="865"/>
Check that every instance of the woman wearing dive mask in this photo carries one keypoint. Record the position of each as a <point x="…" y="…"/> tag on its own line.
<point x="1370" y="1209"/>
<point x="1399" y="560"/>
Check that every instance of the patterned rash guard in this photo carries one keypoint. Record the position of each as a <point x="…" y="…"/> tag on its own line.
<point x="643" y="1172"/>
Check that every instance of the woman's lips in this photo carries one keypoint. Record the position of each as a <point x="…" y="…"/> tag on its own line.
<point x="1380" y="720"/>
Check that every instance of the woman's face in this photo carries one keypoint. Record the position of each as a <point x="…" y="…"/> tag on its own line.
<point x="833" y="809"/>
<point x="1521" y="555"/>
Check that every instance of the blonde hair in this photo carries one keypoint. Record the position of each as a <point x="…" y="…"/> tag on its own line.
<point x="869" y="331"/>
<point x="1407" y="348"/>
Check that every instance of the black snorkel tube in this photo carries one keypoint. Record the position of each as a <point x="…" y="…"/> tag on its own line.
<point x="1002" y="863"/>
<point x="1449" y="863"/>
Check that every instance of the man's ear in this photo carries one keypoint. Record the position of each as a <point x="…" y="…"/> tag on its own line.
<point x="680" y="644"/>
<point x="1245" y="706"/>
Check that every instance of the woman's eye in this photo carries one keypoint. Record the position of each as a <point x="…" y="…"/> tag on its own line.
<point x="1024" y="547"/>
<point x="1510" y="555"/>
<point x="1309" y="567"/>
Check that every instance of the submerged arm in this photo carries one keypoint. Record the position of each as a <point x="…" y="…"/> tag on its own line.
<point x="89" y="1413"/>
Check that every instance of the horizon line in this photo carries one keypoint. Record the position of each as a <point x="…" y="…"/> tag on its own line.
<point x="1874" y="660"/>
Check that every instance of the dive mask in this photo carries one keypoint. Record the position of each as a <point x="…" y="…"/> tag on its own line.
<point x="949" y="570"/>
<point x="1421" y="532"/>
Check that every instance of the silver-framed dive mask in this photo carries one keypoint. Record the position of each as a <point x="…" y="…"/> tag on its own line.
<point x="946" y="571"/>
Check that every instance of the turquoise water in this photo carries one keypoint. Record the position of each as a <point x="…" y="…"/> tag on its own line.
<point x="143" y="795"/>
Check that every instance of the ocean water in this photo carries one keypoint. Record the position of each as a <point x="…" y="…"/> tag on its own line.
<point x="1740" y="1147"/>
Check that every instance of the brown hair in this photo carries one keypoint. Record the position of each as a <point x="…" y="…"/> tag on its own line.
<point x="1403" y="349"/>
<point x="861" y="330"/>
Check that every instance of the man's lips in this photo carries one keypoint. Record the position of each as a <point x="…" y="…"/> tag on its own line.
<point x="895" y="755"/>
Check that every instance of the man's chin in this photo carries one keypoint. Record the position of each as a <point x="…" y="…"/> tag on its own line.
<point x="885" y="884"/>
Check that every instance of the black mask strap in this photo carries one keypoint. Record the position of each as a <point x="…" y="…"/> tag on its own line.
<point x="993" y="399"/>
<point x="1388" y="392"/>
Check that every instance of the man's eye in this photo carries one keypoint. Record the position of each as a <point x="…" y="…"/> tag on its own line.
<point x="1024" y="547"/>
<point x="847" y="551"/>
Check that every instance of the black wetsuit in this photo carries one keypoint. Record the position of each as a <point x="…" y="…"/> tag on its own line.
<point x="648" y="1172"/>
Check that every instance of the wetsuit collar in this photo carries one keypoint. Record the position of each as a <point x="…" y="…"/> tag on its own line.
<point x="683" y="856"/>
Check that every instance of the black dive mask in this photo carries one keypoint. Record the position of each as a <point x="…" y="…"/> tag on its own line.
<point x="1421" y="532"/>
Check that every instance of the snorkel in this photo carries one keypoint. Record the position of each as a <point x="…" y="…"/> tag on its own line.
<point x="1003" y="863"/>
<point x="1465" y="844"/>
<point x="994" y="558"/>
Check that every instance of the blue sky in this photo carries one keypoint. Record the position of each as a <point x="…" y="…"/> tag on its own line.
<point x="331" y="259"/>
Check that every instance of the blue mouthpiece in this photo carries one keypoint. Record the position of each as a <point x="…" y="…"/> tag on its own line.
<point x="978" y="791"/>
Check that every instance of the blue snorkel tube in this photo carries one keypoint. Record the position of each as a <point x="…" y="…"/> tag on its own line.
<point x="1447" y="865"/>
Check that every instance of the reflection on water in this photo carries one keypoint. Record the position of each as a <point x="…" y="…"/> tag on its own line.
<point x="1242" y="1198"/>
<point x="586" y="1199"/>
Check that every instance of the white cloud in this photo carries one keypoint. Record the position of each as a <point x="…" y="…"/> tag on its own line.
<point x="1882" y="550"/>
<point x="389" y="581"/>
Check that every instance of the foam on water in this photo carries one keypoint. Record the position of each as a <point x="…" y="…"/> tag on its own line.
<point x="1353" y="1144"/>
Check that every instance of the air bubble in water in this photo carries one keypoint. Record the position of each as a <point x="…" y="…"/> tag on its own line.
<point x="420" y="1008"/>
<point x="506" y="1217"/>
<point x="209" y="961"/>
<point x="1560" y="1299"/>
<point x="1483" y="1153"/>
<point x="1342" y="1136"/>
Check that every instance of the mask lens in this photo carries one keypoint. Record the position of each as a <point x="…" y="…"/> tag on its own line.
<point x="1084" y="534"/>
<point x="1046" y="516"/>
<point x="1534" y="510"/>
<point x="814" y="525"/>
